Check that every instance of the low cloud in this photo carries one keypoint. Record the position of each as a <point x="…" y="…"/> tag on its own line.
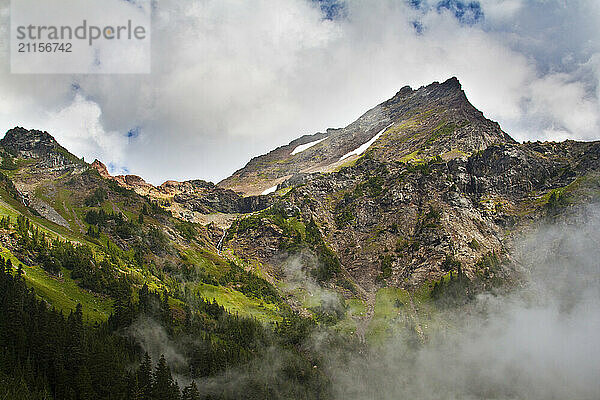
<point x="82" y="132"/>
<point x="155" y="341"/>
<point x="539" y="342"/>
<point x="298" y="272"/>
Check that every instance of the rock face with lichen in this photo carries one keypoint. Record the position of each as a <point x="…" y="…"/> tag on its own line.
<point x="189" y="197"/>
<point x="44" y="159"/>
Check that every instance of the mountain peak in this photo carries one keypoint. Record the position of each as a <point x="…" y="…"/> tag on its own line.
<point x="404" y="92"/>
<point x="40" y="145"/>
<point x="132" y="182"/>
<point x="415" y="125"/>
<point x="452" y="83"/>
<point x="448" y="87"/>
<point x="28" y="143"/>
<point x="101" y="168"/>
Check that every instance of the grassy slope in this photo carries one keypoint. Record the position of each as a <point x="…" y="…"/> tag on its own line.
<point x="400" y="311"/>
<point x="12" y="208"/>
<point x="237" y="302"/>
<point x="63" y="293"/>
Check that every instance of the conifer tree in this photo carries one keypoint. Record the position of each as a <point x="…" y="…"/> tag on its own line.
<point x="165" y="310"/>
<point x="144" y="377"/>
<point x="163" y="386"/>
<point x="83" y="383"/>
<point x="135" y="392"/>
<point x="190" y="392"/>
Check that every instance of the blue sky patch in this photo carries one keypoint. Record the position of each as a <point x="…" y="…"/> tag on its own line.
<point x="415" y="3"/>
<point x="134" y="132"/>
<point x="468" y="13"/>
<point x="418" y="27"/>
<point x="332" y="9"/>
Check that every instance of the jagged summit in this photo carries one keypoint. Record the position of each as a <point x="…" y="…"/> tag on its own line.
<point x="28" y="143"/>
<point x="132" y="182"/>
<point x="412" y="126"/>
<point x="24" y="143"/>
<point x="450" y="86"/>
<point x="101" y="168"/>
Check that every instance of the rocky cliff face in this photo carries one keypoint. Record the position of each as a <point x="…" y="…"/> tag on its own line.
<point x="205" y="197"/>
<point x="41" y="159"/>
<point x="40" y="146"/>
<point x="436" y="120"/>
<point x="440" y="186"/>
<point x="29" y="144"/>
<point x="131" y="182"/>
<point x="399" y="223"/>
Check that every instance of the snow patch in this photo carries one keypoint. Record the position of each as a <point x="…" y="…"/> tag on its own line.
<point x="306" y="146"/>
<point x="365" y="146"/>
<point x="270" y="190"/>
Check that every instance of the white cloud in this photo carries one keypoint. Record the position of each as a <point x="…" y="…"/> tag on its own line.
<point x="77" y="127"/>
<point x="501" y="10"/>
<point x="232" y="80"/>
<point x="567" y="102"/>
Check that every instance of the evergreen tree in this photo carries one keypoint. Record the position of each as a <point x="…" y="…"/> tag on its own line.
<point x="83" y="384"/>
<point x="144" y="378"/>
<point x="165" y="310"/>
<point x="144" y="299"/>
<point x="163" y="386"/>
<point x="75" y="347"/>
<point x="135" y="392"/>
<point x="190" y="392"/>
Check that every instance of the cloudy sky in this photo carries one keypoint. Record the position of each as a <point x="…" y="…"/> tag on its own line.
<point x="233" y="79"/>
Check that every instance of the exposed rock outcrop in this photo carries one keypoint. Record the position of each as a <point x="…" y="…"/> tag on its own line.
<point x="438" y="185"/>
<point x="34" y="144"/>
<point x="189" y="197"/>
<point x="436" y="120"/>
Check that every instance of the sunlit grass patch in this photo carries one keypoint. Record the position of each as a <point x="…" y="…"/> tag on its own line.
<point x="236" y="302"/>
<point x="63" y="293"/>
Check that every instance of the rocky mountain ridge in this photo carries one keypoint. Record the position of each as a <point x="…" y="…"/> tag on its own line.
<point x="440" y="186"/>
<point x="189" y="200"/>
<point x="28" y="144"/>
<point x="435" y="120"/>
<point x="419" y="187"/>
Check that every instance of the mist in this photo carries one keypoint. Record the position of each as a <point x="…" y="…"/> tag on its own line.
<point x="154" y="340"/>
<point x="300" y="281"/>
<point x="538" y="342"/>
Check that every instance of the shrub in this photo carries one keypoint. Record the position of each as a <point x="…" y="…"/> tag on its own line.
<point x="187" y="230"/>
<point x="345" y="217"/>
<point x="386" y="266"/>
<point x="8" y="164"/>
